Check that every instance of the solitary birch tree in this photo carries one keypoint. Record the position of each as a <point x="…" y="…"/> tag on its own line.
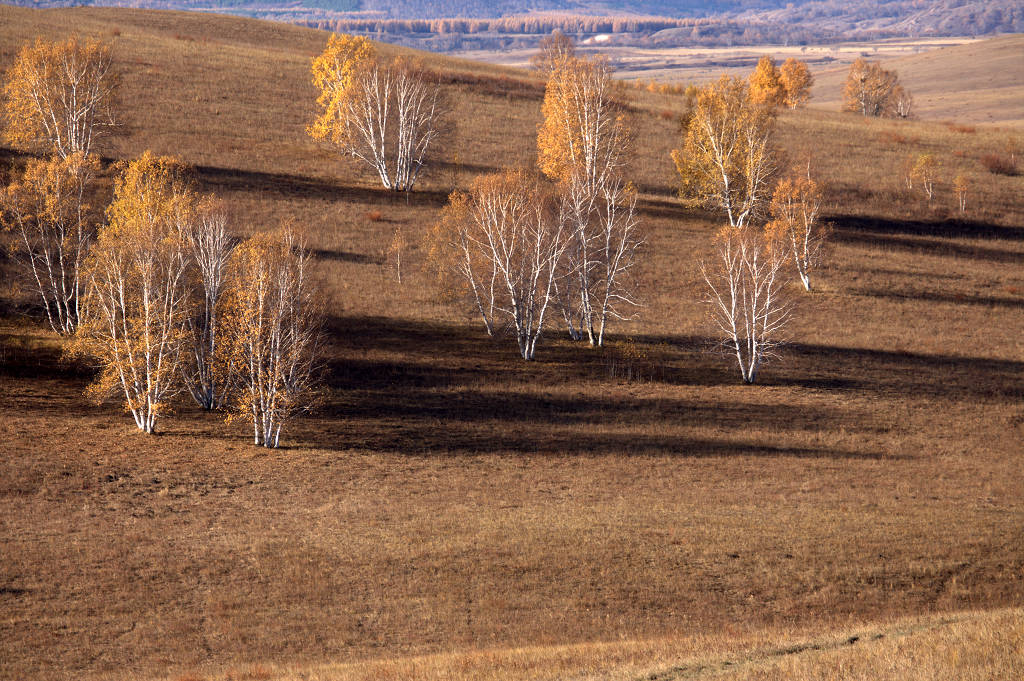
<point x="727" y="159"/>
<point x="275" y="328"/>
<point x="796" y="222"/>
<point x="386" y="114"/>
<point x="138" y="295"/>
<point x="745" y="295"/>
<point x="61" y="95"/>
<point x="50" y="212"/>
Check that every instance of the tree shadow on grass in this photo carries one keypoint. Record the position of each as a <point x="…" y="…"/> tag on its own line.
<point x="308" y="187"/>
<point x="931" y="238"/>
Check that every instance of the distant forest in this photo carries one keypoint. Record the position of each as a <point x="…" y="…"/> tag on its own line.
<point x="448" y="25"/>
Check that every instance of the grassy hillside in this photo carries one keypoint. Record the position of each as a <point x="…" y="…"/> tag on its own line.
<point x="980" y="82"/>
<point x="450" y="497"/>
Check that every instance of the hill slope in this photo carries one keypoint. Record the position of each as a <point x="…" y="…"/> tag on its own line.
<point x="981" y="82"/>
<point x="449" y="496"/>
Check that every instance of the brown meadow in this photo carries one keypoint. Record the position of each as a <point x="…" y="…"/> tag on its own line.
<point x="454" y="512"/>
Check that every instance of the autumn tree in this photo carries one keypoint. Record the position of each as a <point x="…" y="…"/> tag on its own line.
<point x="746" y="294"/>
<point x="583" y="145"/>
<point x="274" y="325"/>
<point x="503" y="242"/>
<point x="925" y="172"/>
<point x="727" y="159"/>
<point x="796" y="223"/>
<point x="60" y="95"/>
<point x="387" y="114"/>
<point x="960" y="187"/>
<point x="873" y="91"/>
<point x="796" y="80"/>
<point x="50" y="211"/>
<point x="553" y="50"/>
<point x="138" y="295"/>
<point x="207" y="367"/>
<point x="766" y="86"/>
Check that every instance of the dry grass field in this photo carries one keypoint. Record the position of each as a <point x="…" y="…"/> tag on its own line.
<point x="967" y="80"/>
<point x="453" y="512"/>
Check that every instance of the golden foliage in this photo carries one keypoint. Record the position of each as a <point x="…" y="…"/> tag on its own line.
<point x="925" y="172"/>
<point x="553" y="50"/>
<point x="582" y="129"/>
<point x="727" y="158"/>
<point x="60" y="95"/>
<point x="273" y="323"/>
<point x="335" y="74"/>
<point x="49" y="209"/>
<point x="873" y="91"/>
<point x="796" y="80"/>
<point x="138" y="296"/>
<point x="796" y="224"/>
<point x="766" y="87"/>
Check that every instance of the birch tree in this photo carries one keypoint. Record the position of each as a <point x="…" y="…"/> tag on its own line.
<point x="796" y="222"/>
<point x="871" y="90"/>
<point x="766" y="85"/>
<point x="727" y="159"/>
<point x="275" y="327"/>
<point x="745" y="295"/>
<point x="583" y="144"/>
<point x="208" y="368"/>
<point x="386" y="114"/>
<point x="61" y="95"/>
<point x="503" y="238"/>
<point x="50" y="213"/>
<point x="797" y="81"/>
<point x="138" y="295"/>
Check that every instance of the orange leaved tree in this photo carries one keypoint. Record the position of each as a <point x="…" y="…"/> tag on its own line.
<point x="728" y="159"/>
<point x="552" y="50"/>
<point x="61" y="95"/>
<point x="138" y="295"/>
<point x="796" y="81"/>
<point x="766" y="87"/>
<point x="386" y="114"/>
<point x="873" y="91"/>
<point x="274" y="321"/>
<point x="49" y="210"/>
<point x="796" y="222"/>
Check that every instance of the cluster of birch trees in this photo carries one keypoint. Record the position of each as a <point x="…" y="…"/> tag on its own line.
<point x="525" y="245"/>
<point x="153" y="289"/>
<point x="729" y="162"/>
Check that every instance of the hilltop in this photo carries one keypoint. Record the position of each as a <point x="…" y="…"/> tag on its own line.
<point x="451" y="511"/>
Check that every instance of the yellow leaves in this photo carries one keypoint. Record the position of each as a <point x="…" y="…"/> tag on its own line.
<point x="727" y="153"/>
<point x="335" y="72"/>
<point x="151" y="198"/>
<point x="766" y="86"/>
<point x="580" y="130"/>
<point x="796" y="80"/>
<point x="59" y="94"/>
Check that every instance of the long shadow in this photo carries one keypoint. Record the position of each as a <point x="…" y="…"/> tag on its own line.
<point x="943" y="229"/>
<point x="938" y="297"/>
<point x="305" y="186"/>
<point x="926" y="246"/>
<point x="347" y="256"/>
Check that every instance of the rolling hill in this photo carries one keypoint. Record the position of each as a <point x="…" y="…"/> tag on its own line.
<point x="452" y="512"/>
<point x="980" y="82"/>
